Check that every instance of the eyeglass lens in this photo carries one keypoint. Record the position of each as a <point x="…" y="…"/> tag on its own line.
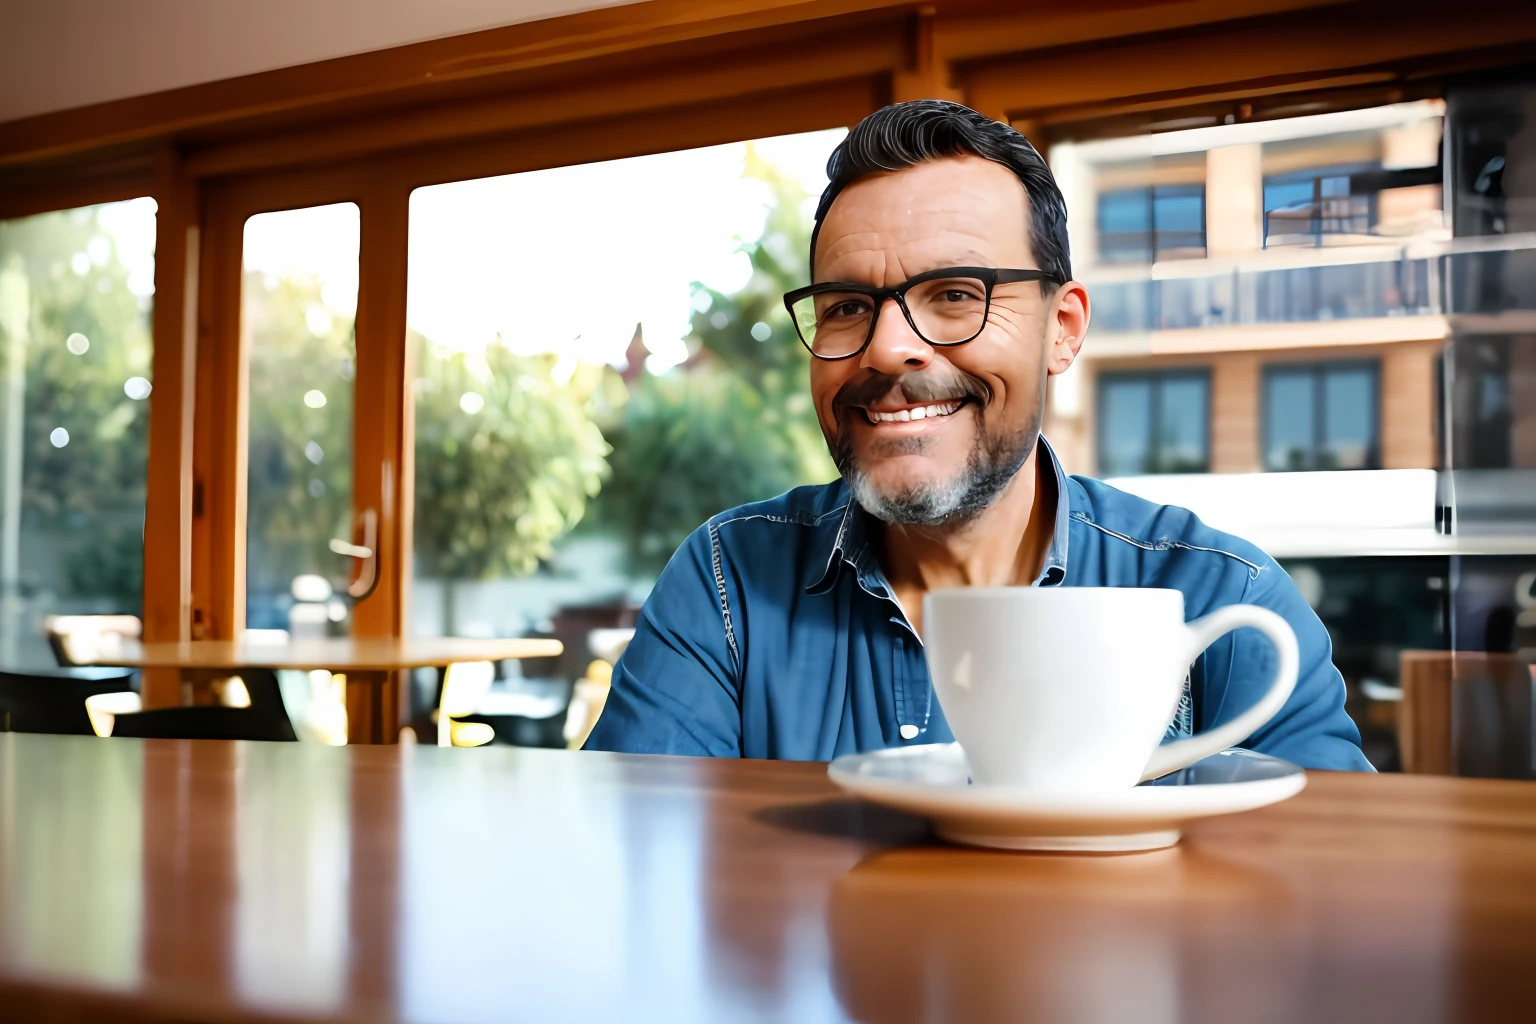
<point x="946" y="311"/>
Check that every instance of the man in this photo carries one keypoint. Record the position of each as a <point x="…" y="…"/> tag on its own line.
<point x="944" y="301"/>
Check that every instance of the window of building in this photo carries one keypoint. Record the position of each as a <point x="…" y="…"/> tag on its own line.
<point x="1307" y="206"/>
<point x="1162" y="222"/>
<point x="1321" y="416"/>
<point x="1154" y="423"/>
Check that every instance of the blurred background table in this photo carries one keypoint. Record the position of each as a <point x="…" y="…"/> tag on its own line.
<point x="153" y="880"/>
<point x="372" y="666"/>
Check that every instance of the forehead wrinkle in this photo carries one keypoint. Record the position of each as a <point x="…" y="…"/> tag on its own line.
<point x="897" y="252"/>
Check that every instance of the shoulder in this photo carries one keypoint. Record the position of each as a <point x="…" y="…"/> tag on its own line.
<point x="769" y="536"/>
<point x="1113" y="518"/>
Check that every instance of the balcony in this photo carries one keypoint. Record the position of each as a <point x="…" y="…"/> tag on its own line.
<point x="1344" y="295"/>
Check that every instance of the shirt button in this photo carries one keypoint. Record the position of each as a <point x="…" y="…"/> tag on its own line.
<point x="909" y="732"/>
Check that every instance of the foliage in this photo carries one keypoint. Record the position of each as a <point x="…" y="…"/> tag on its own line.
<point x="735" y="424"/>
<point x="498" y="483"/>
<point x="86" y="498"/>
<point x="691" y="445"/>
<point x="299" y="493"/>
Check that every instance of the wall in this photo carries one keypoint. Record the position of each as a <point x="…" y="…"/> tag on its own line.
<point x="57" y="54"/>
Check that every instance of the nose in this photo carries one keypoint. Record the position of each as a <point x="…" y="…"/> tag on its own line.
<point x="895" y="348"/>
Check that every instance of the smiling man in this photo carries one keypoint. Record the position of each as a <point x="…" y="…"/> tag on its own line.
<point x="942" y="301"/>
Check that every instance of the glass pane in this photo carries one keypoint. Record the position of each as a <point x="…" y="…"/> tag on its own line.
<point x="1125" y="226"/>
<point x="1289" y="417"/>
<point x="1277" y="196"/>
<point x="1335" y="186"/>
<point x="76" y="289"/>
<point x="299" y="302"/>
<point x="1490" y="426"/>
<point x="1125" y="414"/>
<point x="1349" y="419"/>
<point x="1180" y="210"/>
<point x="1179" y="217"/>
<point x="1181" y="426"/>
<point x="598" y="377"/>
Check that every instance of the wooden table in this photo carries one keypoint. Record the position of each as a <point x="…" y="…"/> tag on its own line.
<point x="155" y="880"/>
<point x="372" y="666"/>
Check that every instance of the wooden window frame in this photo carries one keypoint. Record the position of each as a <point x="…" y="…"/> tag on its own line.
<point x="642" y="78"/>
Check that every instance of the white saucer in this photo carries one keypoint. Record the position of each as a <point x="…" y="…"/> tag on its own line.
<point x="933" y="780"/>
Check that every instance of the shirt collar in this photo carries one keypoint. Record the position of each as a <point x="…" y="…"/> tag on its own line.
<point x="846" y="539"/>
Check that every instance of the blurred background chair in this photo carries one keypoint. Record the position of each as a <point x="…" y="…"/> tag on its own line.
<point x="1466" y="713"/>
<point x="476" y="708"/>
<point x="464" y="685"/>
<point x="205" y="723"/>
<point x="249" y="707"/>
<point x="591" y="692"/>
<point x="77" y="639"/>
<point x="55" y="700"/>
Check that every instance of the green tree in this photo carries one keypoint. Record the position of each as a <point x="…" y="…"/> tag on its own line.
<point x="507" y="458"/>
<point x="299" y="446"/>
<point x="735" y="424"/>
<point x="85" y="440"/>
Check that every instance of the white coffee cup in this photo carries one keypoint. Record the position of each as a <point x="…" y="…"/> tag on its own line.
<point x="1073" y="688"/>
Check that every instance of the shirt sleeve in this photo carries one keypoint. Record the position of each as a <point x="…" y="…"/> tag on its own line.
<point x="1312" y="729"/>
<point x="674" y="690"/>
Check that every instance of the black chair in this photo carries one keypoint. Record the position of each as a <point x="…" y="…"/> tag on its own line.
<point x="266" y="718"/>
<point x="205" y="723"/>
<point x="53" y="700"/>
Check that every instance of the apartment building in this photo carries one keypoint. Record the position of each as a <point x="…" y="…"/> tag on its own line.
<point x="1266" y="296"/>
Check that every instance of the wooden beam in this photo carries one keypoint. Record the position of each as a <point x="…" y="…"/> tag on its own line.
<point x="167" y="609"/>
<point x="925" y="75"/>
<point x="806" y="65"/>
<point x="967" y="35"/>
<point x="383" y="432"/>
<point x="651" y="41"/>
<point x="1281" y="49"/>
<point x="811" y="108"/>
<point x="219" y="430"/>
<point x="407" y="74"/>
<point x="106" y="178"/>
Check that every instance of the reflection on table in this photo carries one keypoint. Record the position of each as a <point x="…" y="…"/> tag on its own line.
<point x="244" y="881"/>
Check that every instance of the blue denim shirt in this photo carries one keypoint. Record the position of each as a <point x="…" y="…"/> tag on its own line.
<point x="773" y="633"/>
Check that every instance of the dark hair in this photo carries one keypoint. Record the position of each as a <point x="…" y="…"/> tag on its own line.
<point x="906" y="134"/>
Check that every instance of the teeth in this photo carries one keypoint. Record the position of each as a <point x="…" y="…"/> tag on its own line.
<point x="921" y="412"/>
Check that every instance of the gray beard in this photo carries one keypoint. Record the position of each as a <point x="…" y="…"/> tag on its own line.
<point x="992" y="465"/>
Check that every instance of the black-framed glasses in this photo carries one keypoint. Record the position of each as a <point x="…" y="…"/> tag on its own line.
<point x="949" y="306"/>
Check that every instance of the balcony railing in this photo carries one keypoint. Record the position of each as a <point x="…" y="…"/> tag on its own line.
<point x="1465" y="276"/>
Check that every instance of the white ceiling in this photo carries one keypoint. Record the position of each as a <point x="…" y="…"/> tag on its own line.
<point x="57" y="54"/>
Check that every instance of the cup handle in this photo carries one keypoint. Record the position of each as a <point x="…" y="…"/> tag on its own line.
<point x="1170" y="757"/>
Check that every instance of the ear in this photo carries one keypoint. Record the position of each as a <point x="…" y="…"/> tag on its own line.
<point x="1067" y="327"/>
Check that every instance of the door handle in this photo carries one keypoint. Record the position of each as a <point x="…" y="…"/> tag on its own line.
<point x="367" y="552"/>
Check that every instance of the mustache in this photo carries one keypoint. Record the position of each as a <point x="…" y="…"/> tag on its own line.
<point x="916" y="388"/>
